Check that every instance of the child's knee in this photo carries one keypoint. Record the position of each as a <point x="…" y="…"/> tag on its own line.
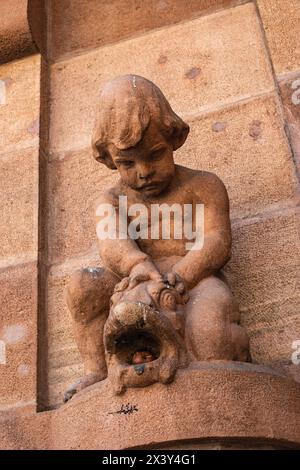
<point x="220" y="300"/>
<point x="88" y="293"/>
<point x="82" y="282"/>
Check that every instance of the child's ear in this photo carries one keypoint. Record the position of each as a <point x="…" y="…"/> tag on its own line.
<point x="106" y="160"/>
<point x="101" y="155"/>
<point x="179" y="134"/>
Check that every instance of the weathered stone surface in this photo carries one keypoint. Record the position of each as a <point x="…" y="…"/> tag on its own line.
<point x="26" y="432"/>
<point x="19" y="208"/>
<point x="18" y="326"/>
<point x="276" y="328"/>
<point x="290" y="94"/>
<point x="264" y="274"/>
<point x="74" y="185"/>
<point x="19" y="115"/>
<point x="236" y="402"/>
<point x="265" y="262"/>
<point x="79" y="25"/>
<point x="258" y="171"/>
<point x="221" y="401"/>
<point x="15" y="37"/>
<point x="281" y="24"/>
<point x="39" y="19"/>
<point x="200" y="64"/>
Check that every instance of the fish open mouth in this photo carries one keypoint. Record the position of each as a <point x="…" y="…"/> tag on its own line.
<point x="137" y="347"/>
<point x="141" y="345"/>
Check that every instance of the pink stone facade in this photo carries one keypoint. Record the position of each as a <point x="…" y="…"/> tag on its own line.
<point x="231" y="69"/>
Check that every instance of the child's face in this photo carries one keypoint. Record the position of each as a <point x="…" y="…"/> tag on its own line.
<point x="147" y="168"/>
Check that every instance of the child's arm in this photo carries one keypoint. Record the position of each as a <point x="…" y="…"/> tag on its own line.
<point x="122" y="256"/>
<point x="201" y="263"/>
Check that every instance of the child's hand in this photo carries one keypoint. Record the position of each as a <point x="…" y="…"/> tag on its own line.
<point x="145" y="271"/>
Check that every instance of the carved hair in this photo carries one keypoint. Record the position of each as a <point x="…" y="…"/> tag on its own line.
<point x="127" y="105"/>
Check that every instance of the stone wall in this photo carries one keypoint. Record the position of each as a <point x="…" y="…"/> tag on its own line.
<point x="15" y="37"/>
<point x="19" y="169"/>
<point x="230" y="69"/>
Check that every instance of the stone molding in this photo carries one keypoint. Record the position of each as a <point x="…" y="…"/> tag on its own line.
<point x="215" y="401"/>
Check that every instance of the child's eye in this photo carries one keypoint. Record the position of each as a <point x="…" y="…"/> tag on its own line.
<point x="127" y="164"/>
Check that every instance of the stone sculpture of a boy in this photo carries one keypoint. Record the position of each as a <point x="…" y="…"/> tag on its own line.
<point x="136" y="132"/>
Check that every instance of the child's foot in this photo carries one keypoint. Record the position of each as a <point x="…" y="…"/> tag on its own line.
<point x="80" y="384"/>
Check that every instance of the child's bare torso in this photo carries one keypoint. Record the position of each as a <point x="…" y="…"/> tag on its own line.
<point x="189" y="187"/>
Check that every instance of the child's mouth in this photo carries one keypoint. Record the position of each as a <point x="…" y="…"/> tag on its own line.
<point x="148" y="187"/>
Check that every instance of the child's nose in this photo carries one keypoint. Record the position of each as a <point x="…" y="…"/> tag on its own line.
<point x="145" y="172"/>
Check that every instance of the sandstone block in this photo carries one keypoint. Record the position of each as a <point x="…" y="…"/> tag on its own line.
<point x="15" y="37"/>
<point x="74" y="185"/>
<point x="258" y="169"/>
<point x="78" y="26"/>
<point x="199" y="65"/>
<point x="19" y="208"/>
<point x="264" y="275"/>
<point x="19" y="115"/>
<point x="18" y="327"/>
<point x="281" y="23"/>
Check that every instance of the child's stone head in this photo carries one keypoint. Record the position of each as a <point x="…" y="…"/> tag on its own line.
<point x="136" y="132"/>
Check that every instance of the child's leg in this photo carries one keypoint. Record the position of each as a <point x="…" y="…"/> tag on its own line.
<point x="212" y="332"/>
<point x="88" y="295"/>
